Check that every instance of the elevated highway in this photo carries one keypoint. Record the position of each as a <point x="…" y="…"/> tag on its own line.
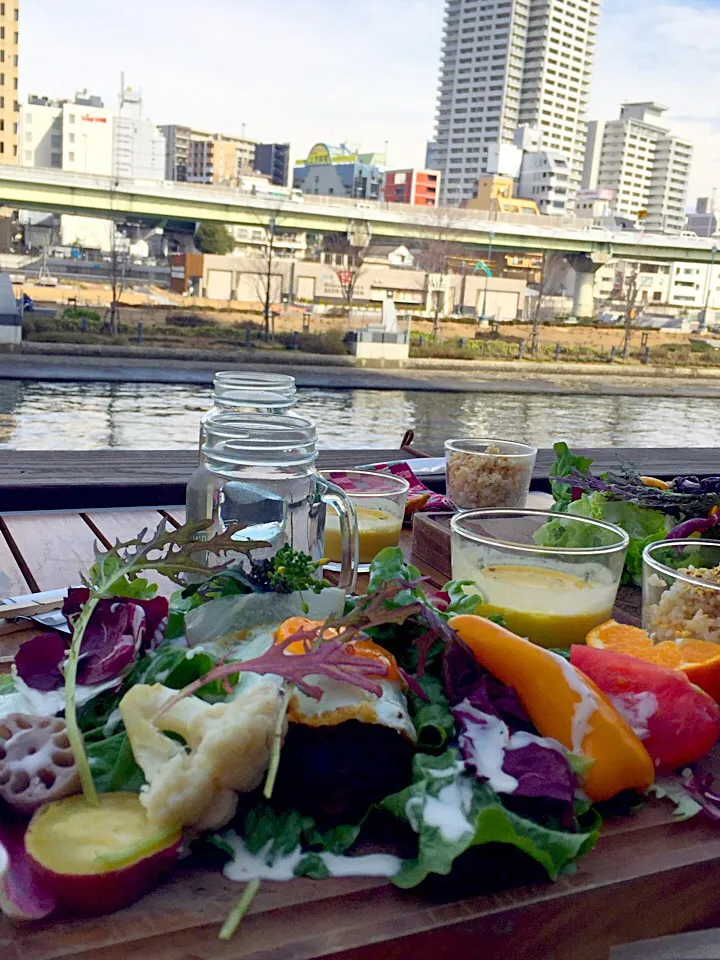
<point x="164" y="202"/>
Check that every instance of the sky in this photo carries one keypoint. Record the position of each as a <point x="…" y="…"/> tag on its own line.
<point x="361" y="73"/>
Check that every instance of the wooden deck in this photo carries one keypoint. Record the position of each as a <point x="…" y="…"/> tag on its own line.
<point x="42" y="480"/>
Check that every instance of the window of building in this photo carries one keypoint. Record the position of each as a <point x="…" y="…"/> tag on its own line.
<point x="2" y="9"/>
<point x="15" y="60"/>
<point x="28" y="137"/>
<point x="71" y="118"/>
<point x="28" y="155"/>
<point x="16" y="15"/>
<point x="71" y="158"/>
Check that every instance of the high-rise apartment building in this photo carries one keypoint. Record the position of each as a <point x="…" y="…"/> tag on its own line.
<point x="9" y="56"/>
<point x="139" y="145"/>
<point x="645" y="166"/>
<point x="507" y="62"/>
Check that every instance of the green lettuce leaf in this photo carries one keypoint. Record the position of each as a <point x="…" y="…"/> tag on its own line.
<point x="137" y="588"/>
<point x="390" y="564"/>
<point x="7" y="684"/>
<point x="642" y="525"/>
<point x="465" y="597"/>
<point x="452" y="812"/>
<point x="113" y="765"/>
<point x="565" y="463"/>
<point x="431" y="718"/>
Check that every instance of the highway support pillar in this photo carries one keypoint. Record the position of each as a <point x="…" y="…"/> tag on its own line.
<point x="585" y="266"/>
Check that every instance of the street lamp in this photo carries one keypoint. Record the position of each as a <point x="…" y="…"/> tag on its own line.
<point x="491" y="237"/>
<point x="708" y="288"/>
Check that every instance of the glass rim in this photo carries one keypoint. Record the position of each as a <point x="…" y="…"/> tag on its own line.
<point x="401" y="485"/>
<point x="226" y="423"/>
<point x="250" y="377"/>
<point x="458" y="518"/>
<point x="659" y="567"/>
<point x="455" y="446"/>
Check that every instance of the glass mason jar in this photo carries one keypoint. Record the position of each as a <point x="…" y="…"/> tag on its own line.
<point x="242" y="392"/>
<point x="258" y="471"/>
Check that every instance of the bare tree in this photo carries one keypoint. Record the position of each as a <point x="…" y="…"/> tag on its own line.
<point x="553" y="267"/>
<point x="118" y="263"/>
<point x="629" y="292"/>
<point x="434" y="259"/>
<point x="348" y="252"/>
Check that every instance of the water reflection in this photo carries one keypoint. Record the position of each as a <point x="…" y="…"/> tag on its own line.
<point x="43" y="415"/>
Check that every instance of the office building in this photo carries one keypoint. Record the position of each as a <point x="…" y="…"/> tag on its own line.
<point x="340" y="171"/>
<point x="507" y="63"/>
<point x="495" y="193"/>
<point x="419" y="188"/>
<point x="646" y="167"/>
<point x="9" y="57"/>
<point x="75" y="135"/>
<point x="240" y="155"/>
<point x="703" y="221"/>
<point x="139" y="145"/>
<point x="545" y="178"/>
<point x="273" y="159"/>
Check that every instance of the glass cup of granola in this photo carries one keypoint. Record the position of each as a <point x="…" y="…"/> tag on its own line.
<point x="681" y="590"/>
<point x="489" y="473"/>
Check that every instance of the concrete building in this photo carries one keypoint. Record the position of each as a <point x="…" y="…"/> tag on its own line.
<point x="506" y="63"/>
<point x="139" y="145"/>
<point x="243" y="279"/>
<point x="645" y="166"/>
<point x="419" y="188"/>
<point x="273" y="159"/>
<point x="178" y="140"/>
<point x="495" y="193"/>
<point x="593" y="204"/>
<point x="340" y="171"/>
<point x="545" y="178"/>
<point x="75" y="135"/>
<point x="703" y="221"/>
<point x="9" y="58"/>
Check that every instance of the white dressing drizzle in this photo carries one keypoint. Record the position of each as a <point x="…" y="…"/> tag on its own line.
<point x="637" y="709"/>
<point x="584" y="708"/>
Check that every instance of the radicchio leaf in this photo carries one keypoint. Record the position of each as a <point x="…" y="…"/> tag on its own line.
<point x="38" y="661"/>
<point x="697" y="525"/>
<point x="119" y="630"/>
<point x="22" y="896"/>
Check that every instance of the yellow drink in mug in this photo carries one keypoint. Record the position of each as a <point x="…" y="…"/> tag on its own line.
<point x="379" y="501"/>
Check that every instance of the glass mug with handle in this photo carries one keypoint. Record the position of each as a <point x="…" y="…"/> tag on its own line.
<point x="258" y="471"/>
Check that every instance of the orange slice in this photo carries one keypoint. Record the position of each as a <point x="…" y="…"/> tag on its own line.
<point x="698" y="659"/>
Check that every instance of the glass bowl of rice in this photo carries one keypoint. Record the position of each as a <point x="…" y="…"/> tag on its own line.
<point x="681" y="590"/>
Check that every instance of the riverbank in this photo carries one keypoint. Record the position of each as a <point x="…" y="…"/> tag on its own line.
<point x="75" y="362"/>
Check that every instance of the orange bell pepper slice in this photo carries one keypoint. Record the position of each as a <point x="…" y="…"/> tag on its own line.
<point x="563" y="704"/>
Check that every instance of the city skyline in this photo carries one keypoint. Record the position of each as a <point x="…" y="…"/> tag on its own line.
<point x="315" y="79"/>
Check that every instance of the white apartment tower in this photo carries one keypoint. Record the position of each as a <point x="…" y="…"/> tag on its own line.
<point x="645" y="166"/>
<point x="507" y="62"/>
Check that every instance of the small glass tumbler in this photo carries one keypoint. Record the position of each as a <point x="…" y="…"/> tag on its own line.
<point x="681" y="590"/>
<point x="551" y="577"/>
<point x="379" y="501"/>
<point x="488" y="473"/>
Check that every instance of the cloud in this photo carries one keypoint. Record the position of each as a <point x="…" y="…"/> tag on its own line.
<point x="363" y="73"/>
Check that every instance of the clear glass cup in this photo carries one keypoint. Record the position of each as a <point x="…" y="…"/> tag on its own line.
<point x="488" y="473"/>
<point x="681" y="590"/>
<point x="258" y="471"/>
<point x="552" y="577"/>
<point x="379" y="500"/>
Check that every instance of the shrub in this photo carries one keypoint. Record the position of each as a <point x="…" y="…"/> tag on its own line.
<point x="77" y="313"/>
<point x="189" y="320"/>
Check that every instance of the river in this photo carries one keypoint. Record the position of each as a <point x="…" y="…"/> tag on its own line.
<point x="45" y="415"/>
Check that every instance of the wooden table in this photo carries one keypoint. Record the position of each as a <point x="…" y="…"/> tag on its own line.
<point x="40" y="479"/>
<point x="649" y="876"/>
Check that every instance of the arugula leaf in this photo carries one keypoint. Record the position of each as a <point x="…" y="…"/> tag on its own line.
<point x="465" y="597"/>
<point x="452" y="812"/>
<point x="7" y="684"/>
<point x="431" y="718"/>
<point x="113" y="765"/>
<point x="565" y="464"/>
<point x="390" y="565"/>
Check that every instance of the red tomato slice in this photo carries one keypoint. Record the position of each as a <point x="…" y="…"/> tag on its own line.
<point x="677" y="722"/>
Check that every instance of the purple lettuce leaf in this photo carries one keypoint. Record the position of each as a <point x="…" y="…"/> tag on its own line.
<point x="38" y="661"/>
<point x="22" y="895"/>
<point x="697" y="525"/>
<point x="119" y="630"/>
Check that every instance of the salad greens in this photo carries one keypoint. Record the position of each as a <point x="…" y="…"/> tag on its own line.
<point x="647" y="512"/>
<point x="451" y="812"/>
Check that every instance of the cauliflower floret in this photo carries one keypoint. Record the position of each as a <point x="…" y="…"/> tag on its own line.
<point x="229" y="750"/>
